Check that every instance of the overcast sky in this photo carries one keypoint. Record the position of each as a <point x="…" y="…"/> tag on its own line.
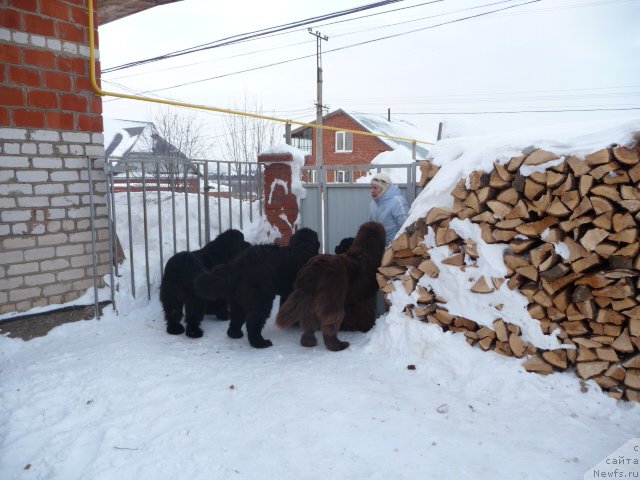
<point x="541" y="55"/>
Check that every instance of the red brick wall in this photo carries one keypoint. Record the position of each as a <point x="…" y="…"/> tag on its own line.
<point x="44" y="79"/>
<point x="365" y="147"/>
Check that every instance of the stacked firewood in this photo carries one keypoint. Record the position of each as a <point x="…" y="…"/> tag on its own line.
<point x="571" y="226"/>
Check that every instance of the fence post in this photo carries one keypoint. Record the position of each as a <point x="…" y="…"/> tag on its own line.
<point x="280" y="204"/>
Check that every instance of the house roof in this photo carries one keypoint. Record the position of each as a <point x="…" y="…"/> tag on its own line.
<point x="110" y="10"/>
<point x="379" y="124"/>
<point x="123" y="138"/>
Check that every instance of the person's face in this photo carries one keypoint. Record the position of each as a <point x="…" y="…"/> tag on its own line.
<point x="375" y="190"/>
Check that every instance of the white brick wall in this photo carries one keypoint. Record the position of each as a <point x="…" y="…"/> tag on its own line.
<point x="45" y="244"/>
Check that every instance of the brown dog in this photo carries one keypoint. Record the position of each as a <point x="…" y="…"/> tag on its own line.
<point x="332" y="289"/>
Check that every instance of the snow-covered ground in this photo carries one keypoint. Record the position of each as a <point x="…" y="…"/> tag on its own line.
<point x="118" y="398"/>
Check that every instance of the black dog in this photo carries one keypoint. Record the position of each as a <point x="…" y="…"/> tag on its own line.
<point x="252" y="280"/>
<point x="176" y="289"/>
<point x="344" y="245"/>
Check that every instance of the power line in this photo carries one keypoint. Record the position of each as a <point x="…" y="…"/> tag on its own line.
<point x="522" y="111"/>
<point x="339" y="48"/>
<point x="251" y="35"/>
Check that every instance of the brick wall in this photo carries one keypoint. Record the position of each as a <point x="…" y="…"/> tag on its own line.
<point x="50" y="123"/>
<point x="365" y="148"/>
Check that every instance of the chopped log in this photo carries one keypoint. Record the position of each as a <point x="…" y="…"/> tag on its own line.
<point x="621" y="289"/>
<point x="581" y="293"/>
<point x="539" y="156"/>
<point x="575" y="328"/>
<point x="632" y="205"/>
<point x="460" y="191"/>
<point x="496" y="182"/>
<point x="521" y="245"/>
<point x="561" y="300"/>
<point x="578" y="165"/>
<point x="472" y="202"/>
<point x="629" y="192"/>
<point x="538" y="365"/>
<point x="558" y="209"/>
<point x="576" y="251"/>
<point x="557" y="358"/>
<point x="430" y="268"/>
<point x="456" y="260"/>
<point x="571" y="199"/>
<point x="586" y="263"/>
<point x="566" y="186"/>
<point x="481" y="286"/>
<point x="632" y="362"/>
<point x="517" y="345"/>
<point x="606" y="191"/>
<point x="630" y="235"/>
<point x="555" y="272"/>
<point x="391" y="271"/>
<point x="554" y="179"/>
<point x="584" y="184"/>
<point x="502" y="171"/>
<point x="553" y="286"/>
<point x="634" y="173"/>
<point x="529" y="272"/>
<point x="607" y="354"/>
<point x="536" y="228"/>
<point x="592" y="238"/>
<point x="623" y="342"/>
<point x="598" y="158"/>
<point x="602" y="170"/>
<point x="600" y="205"/>
<point x="616" y="177"/>
<point x="549" y="263"/>
<point x="586" y="354"/>
<point x="401" y="242"/>
<point x="437" y="213"/>
<point x="632" y="378"/>
<point x="596" y="280"/>
<point x="509" y="196"/>
<point x="627" y="156"/>
<point x="587" y="370"/>
<point x="499" y="208"/>
<point x="486" y="343"/>
<point x="519" y="211"/>
<point x="606" y="249"/>
<point x="622" y="221"/>
<point x="532" y="190"/>
<point x="501" y="330"/>
<point x="514" y="163"/>
<point x="387" y="258"/>
<point x="616" y="372"/>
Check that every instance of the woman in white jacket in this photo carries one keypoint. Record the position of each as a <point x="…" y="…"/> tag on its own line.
<point x="388" y="207"/>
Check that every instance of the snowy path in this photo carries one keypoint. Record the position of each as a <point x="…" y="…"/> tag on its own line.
<point x="119" y="398"/>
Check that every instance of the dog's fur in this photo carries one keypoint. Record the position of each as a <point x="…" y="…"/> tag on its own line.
<point x="252" y="280"/>
<point x="335" y="290"/>
<point x="177" y="291"/>
<point x="344" y="245"/>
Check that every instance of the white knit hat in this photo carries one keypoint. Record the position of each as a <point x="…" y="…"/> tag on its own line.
<point x="382" y="180"/>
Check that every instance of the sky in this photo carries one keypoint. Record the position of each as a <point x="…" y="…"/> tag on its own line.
<point x="543" y="55"/>
<point x="117" y="397"/>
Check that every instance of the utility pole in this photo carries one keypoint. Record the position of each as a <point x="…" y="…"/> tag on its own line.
<point x="319" y="107"/>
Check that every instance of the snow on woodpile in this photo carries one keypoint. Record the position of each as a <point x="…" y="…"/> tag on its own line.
<point x="528" y="246"/>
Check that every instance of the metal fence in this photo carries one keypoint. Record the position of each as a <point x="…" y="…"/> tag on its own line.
<point x="160" y="206"/>
<point x="344" y="204"/>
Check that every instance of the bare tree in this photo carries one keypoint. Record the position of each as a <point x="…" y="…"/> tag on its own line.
<point x="245" y="137"/>
<point x="179" y="134"/>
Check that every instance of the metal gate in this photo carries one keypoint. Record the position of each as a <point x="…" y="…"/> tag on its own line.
<point x="160" y="206"/>
<point x="345" y="205"/>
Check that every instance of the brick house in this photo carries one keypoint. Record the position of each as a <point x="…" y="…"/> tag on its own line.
<point x="346" y="148"/>
<point x="51" y="134"/>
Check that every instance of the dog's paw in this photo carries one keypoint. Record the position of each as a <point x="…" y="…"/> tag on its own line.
<point x="233" y="333"/>
<point x="261" y="343"/>
<point x="308" y="339"/>
<point x="195" y="332"/>
<point x="175" y="329"/>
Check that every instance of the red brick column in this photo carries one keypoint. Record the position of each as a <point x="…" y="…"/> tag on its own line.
<point x="280" y="204"/>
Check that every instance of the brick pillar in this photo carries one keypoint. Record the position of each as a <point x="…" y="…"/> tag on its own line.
<point x="280" y="204"/>
<point x="50" y="123"/>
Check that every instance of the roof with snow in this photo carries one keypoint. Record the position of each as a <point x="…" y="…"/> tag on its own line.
<point x="379" y="124"/>
<point x="123" y="138"/>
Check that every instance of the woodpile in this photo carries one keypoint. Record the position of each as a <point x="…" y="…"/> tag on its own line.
<point x="573" y="251"/>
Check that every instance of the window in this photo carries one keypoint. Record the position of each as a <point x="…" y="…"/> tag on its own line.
<point x="342" y="176"/>
<point x="344" y="142"/>
<point x="313" y="176"/>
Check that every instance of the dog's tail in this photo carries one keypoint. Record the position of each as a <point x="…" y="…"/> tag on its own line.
<point x="214" y="284"/>
<point x="297" y="306"/>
